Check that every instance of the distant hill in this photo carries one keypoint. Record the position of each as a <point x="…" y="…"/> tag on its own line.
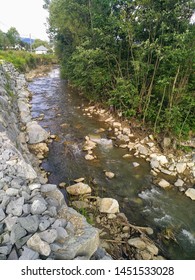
<point x="27" y="40"/>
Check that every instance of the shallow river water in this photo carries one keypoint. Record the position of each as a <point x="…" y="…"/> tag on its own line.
<point x="143" y="203"/>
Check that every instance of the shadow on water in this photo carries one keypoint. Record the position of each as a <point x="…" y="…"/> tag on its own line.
<point x="170" y="213"/>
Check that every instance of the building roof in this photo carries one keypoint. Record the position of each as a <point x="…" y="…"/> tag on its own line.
<point x="41" y="48"/>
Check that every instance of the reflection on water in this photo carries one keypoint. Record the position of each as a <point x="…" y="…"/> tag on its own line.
<point x="143" y="203"/>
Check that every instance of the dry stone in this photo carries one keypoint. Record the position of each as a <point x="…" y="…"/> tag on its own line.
<point x="35" y="243"/>
<point x="79" y="188"/>
<point x="109" y="206"/>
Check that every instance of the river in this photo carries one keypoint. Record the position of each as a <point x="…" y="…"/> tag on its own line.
<point x="143" y="203"/>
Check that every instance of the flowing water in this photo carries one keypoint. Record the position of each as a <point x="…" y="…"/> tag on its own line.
<point x="166" y="211"/>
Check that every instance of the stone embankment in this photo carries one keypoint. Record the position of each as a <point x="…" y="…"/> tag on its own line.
<point x="168" y="169"/>
<point x="35" y="221"/>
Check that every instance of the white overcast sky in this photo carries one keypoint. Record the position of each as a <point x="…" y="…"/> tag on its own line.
<point x="27" y="16"/>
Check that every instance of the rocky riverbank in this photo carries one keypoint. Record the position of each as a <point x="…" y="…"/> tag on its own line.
<point x="35" y="221"/>
<point x="168" y="168"/>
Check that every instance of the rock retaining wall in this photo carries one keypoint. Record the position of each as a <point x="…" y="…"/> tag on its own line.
<point x="35" y="221"/>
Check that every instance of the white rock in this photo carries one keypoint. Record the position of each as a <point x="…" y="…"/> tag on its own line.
<point x="89" y="157"/>
<point x="179" y="183"/>
<point x="181" y="167"/>
<point x="109" y="206"/>
<point x="79" y="180"/>
<point x="190" y="193"/>
<point x="163" y="184"/>
<point x="34" y="186"/>
<point x="110" y="175"/>
<point x="116" y="125"/>
<point x="136" y="164"/>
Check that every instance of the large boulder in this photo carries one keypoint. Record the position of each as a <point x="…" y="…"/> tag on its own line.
<point x="83" y="243"/>
<point x="36" y="133"/>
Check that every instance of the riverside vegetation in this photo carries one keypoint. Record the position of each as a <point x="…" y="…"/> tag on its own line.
<point x="135" y="56"/>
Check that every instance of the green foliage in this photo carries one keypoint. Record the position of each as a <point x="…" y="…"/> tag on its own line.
<point x="25" y="61"/>
<point x="136" y="55"/>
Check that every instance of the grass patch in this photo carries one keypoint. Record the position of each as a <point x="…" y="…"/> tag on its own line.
<point x="25" y="61"/>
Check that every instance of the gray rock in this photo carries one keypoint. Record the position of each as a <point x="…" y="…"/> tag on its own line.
<point x="13" y="255"/>
<point x="34" y="186"/>
<point x="2" y="257"/>
<point x="12" y="192"/>
<point x="101" y="254"/>
<point x="44" y="224"/>
<point x="38" y="207"/>
<point x="25" y="195"/>
<point x="5" y="201"/>
<point x="51" y="211"/>
<point x="10" y="222"/>
<point x="1" y="228"/>
<point x="15" y="207"/>
<point x="28" y="254"/>
<point x="62" y="234"/>
<point x="25" y="170"/>
<point x="48" y="188"/>
<point x="35" y="243"/>
<point x="49" y="235"/>
<point x="2" y="214"/>
<point x="36" y="133"/>
<point x="59" y="223"/>
<point x="5" y="250"/>
<point x="17" y="232"/>
<point x="26" y="209"/>
<point x="29" y="223"/>
<point x="22" y="241"/>
<point x="57" y="195"/>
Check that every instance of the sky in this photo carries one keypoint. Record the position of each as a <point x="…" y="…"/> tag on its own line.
<point x="27" y="16"/>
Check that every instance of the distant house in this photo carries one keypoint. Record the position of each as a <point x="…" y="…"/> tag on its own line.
<point x="41" y="50"/>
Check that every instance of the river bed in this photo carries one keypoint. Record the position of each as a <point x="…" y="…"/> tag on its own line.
<point x="143" y="203"/>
